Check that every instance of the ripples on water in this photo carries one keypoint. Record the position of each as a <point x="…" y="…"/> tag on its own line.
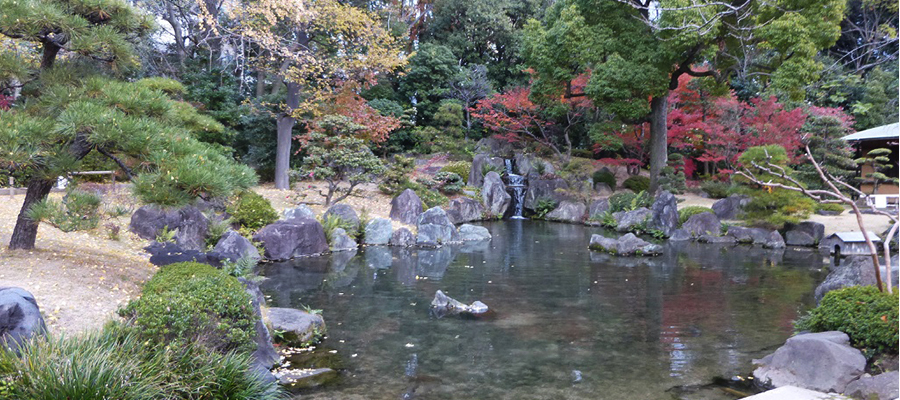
<point x="566" y="322"/>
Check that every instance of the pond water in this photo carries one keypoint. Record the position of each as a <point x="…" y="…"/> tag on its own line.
<point x="566" y="322"/>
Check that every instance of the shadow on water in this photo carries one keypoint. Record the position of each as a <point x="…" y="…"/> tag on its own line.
<point x="566" y="322"/>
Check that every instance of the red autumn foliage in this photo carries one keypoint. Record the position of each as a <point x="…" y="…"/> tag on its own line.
<point x="349" y="103"/>
<point x="5" y="102"/>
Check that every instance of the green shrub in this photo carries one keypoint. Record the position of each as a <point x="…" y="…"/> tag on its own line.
<point x="487" y="167"/>
<point x="689" y="211"/>
<point x="716" y="189"/>
<point x="78" y="211"/>
<point x="868" y="316"/>
<point x="637" y="183"/>
<point x="834" y="207"/>
<point x="773" y="209"/>
<point x="431" y="198"/>
<point x="540" y="167"/>
<point x="330" y="222"/>
<point x="620" y="201"/>
<point x="252" y="211"/>
<point x="192" y="302"/>
<point x="583" y="153"/>
<point x="606" y="177"/>
<point x="217" y="228"/>
<point x="448" y="182"/>
<point x="396" y="176"/>
<point x="543" y="206"/>
<point x="460" y="168"/>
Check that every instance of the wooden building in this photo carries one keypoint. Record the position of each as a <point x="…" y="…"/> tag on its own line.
<point x="886" y="136"/>
<point x="849" y="243"/>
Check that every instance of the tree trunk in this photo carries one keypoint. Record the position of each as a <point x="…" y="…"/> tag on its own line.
<point x="260" y="83"/>
<point x="285" y="126"/>
<point x="49" y="54"/>
<point x="659" y="107"/>
<point x="25" y="232"/>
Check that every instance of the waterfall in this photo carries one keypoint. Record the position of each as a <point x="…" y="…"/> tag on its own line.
<point x="516" y="185"/>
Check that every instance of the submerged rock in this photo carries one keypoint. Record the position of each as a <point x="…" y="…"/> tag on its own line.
<point x="627" y="245"/>
<point x="818" y="361"/>
<point x="298" y="327"/>
<point x="443" y="305"/>
<point x="473" y="233"/>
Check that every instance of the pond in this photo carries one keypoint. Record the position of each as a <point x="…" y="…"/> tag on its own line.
<point x="565" y="322"/>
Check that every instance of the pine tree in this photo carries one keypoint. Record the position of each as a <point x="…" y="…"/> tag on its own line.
<point x="72" y="104"/>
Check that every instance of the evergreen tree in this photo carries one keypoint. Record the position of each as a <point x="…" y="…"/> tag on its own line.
<point x="72" y="105"/>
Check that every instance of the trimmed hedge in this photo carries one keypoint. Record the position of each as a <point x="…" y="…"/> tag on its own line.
<point x="868" y="316"/>
<point x="252" y="211"/>
<point x="606" y="177"/>
<point x="637" y="183"/>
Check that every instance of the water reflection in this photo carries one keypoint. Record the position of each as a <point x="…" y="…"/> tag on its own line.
<point x="631" y="327"/>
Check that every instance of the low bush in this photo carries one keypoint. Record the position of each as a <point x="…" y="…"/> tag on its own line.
<point x="396" y="176"/>
<point x="606" y="177"/>
<point x="583" y="153"/>
<point x="217" y="227"/>
<point x="194" y="303"/>
<point x="252" y="211"/>
<point x="543" y="206"/>
<point x="689" y="211"/>
<point x="625" y="201"/>
<point x="460" y="168"/>
<point x="637" y="183"/>
<point x="774" y="208"/>
<point x="716" y="189"/>
<point x="833" y="207"/>
<point x="868" y="316"/>
<point x="487" y="167"/>
<point x="448" y="182"/>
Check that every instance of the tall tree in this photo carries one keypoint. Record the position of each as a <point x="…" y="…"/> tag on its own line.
<point x="313" y="47"/>
<point x="637" y="50"/>
<point x="468" y="87"/>
<point x="427" y="79"/>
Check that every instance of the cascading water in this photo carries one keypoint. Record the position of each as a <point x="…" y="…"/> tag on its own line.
<point x="516" y="185"/>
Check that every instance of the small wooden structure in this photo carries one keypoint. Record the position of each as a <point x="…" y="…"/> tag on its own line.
<point x="849" y="243"/>
<point x="886" y="136"/>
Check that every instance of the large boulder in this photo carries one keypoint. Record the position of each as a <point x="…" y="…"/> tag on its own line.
<point x="406" y="207"/>
<point x="469" y="233"/>
<point x="464" y="209"/>
<point x="665" y="213"/>
<point x="496" y="199"/>
<point x="20" y="317"/>
<point x="598" y="207"/>
<point x="298" y="327"/>
<point x="283" y="240"/>
<point x="341" y="241"/>
<point x="476" y="173"/>
<point x="190" y="223"/>
<point x="627" y="245"/>
<point x="166" y="253"/>
<point x="627" y="221"/>
<point x="744" y="235"/>
<point x="568" y="211"/>
<point x="853" y="271"/>
<point x="346" y="213"/>
<point x="602" y="189"/>
<point x="232" y="247"/>
<point x="730" y="207"/>
<point x="806" y="233"/>
<point x="774" y="241"/>
<point x="818" y="361"/>
<point x="299" y="212"/>
<point x="265" y="356"/>
<point x="403" y="238"/>
<point x="881" y="386"/>
<point x="543" y="189"/>
<point x="702" y="224"/>
<point x="435" y="228"/>
<point x="378" y="231"/>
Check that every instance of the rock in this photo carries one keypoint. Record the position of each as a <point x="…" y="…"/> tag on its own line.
<point x="298" y="327"/>
<point x="297" y="379"/>
<point x="341" y="241"/>
<point x="680" y="235"/>
<point x="716" y="239"/>
<point x="744" y="235"/>
<point x="469" y="233"/>
<point x="435" y="229"/>
<point x="265" y="356"/>
<point x="476" y="173"/>
<point x="190" y="223"/>
<point x="433" y="263"/>
<point x="170" y="253"/>
<point x="702" y="224"/>
<point x="774" y="241"/>
<point x="443" y="305"/>
<point x="379" y="257"/>
<point x="853" y="271"/>
<point x="464" y="209"/>
<point x="665" y="213"/>
<point x="346" y="213"/>
<point x="806" y="233"/>
<point x="626" y="245"/>
<point x="598" y="207"/>
<point x="881" y="386"/>
<point x="543" y="189"/>
<point x="403" y="237"/>
<point x="496" y="199"/>
<point x="378" y="231"/>
<point x="299" y="212"/>
<point x="602" y="189"/>
<point x="630" y="220"/>
<point x="20" y="317"/>
<point x="283" y="240"/>
<point x="731" y="206"/>
<point x="406" y="207"/>
<point x="568" y="211"/>
<point x="232" y="247"/>
<point x="818" y="361"/>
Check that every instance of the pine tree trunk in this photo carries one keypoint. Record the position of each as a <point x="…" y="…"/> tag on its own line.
<point x="25" y="232"/>
<point x="285" y="126"/>
<point x="659" y="107"/>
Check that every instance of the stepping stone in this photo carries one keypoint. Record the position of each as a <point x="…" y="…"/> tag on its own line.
<point x="795" y="393"/>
